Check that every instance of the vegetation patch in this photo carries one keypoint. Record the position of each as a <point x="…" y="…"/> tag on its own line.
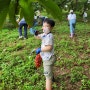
<point x="71" y="70"/>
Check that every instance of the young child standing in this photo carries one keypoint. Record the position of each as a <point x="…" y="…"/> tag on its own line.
<point x="47" y="51"/>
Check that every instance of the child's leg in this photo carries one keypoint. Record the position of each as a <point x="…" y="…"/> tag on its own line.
<point x="48" y="84"/>
<point x="48" y="74"/>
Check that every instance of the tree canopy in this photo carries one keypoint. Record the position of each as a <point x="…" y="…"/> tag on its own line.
<point x="74" y="4"/>
<point x="25" y="9"/>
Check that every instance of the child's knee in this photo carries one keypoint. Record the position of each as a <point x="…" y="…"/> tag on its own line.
<point x="48" y="74"/>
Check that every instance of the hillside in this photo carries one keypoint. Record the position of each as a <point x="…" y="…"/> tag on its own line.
<point x="72" y="68"/>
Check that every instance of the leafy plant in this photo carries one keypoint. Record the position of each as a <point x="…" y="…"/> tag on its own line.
<point x="85" y="83"/>
<point x="71" y="70"/>
<point x="26" y="10"/>
<point x="76" y="74"/>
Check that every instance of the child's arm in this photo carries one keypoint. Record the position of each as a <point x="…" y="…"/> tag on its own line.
<point x="47" y="48"/>
<point x="37" y="37"/>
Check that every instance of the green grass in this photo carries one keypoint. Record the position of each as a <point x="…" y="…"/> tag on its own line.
<point x="72" y="68"/>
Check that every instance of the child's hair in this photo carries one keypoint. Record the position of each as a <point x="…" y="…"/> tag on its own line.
<point x="49" y="21"/>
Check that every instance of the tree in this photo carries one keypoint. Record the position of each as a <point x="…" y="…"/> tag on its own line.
<point x="26" y="10"/>
<point x="76" y="5"/>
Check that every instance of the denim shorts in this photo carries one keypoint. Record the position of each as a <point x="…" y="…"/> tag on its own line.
<point x="48" y="67"/>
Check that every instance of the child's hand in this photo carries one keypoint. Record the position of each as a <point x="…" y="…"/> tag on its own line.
<point x="38" y="50"/>
<point x="36" y="32"/>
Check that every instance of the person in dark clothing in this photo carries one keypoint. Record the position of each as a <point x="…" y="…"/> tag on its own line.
<point x="22" y="24"/>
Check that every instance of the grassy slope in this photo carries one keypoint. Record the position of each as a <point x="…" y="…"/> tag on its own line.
<point x="72" y="69"/>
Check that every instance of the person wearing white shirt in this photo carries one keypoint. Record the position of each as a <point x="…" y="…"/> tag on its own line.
<point x="85" y="17"/>
<point x="72" y="22"/>
<point x="47" y="51"/>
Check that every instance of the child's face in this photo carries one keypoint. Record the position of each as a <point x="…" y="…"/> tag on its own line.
<point x="46" y="26"/>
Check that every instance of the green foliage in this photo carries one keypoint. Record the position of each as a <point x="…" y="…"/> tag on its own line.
<point x="85" y="83"/>
<point x="83" y="0"/>
<point x="12" y="12"/>
<point x="8" y="24"/>
<point x="4" y="6"/>
<point x="27" y="11"/>
<point x="72" y="68"/>
<point x="52" y="8"/>
<point x="76" y="74"/>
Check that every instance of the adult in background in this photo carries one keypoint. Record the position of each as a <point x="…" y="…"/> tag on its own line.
<point x="22" y="23"/>
<point x="35" y="23"/>
<point x="85" y="16"/>
<point x="72" y="22"/>
<point x="40" y="18"/>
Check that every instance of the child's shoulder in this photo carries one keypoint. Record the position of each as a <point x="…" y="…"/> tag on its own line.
<point x="50" y="35"/>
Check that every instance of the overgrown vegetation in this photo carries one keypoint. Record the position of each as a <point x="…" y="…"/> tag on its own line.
<point x="72" y="68"/>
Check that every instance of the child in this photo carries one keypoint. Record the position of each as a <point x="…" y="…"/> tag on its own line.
<point x="47" y="51"/>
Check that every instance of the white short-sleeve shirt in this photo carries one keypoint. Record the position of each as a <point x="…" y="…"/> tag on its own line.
<point x="85" y="14"/>
<point x="71" y="16"/>
<point x="47" y="39"/>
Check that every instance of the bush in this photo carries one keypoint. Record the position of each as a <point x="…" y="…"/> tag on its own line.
<point x="8" y="25"/>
